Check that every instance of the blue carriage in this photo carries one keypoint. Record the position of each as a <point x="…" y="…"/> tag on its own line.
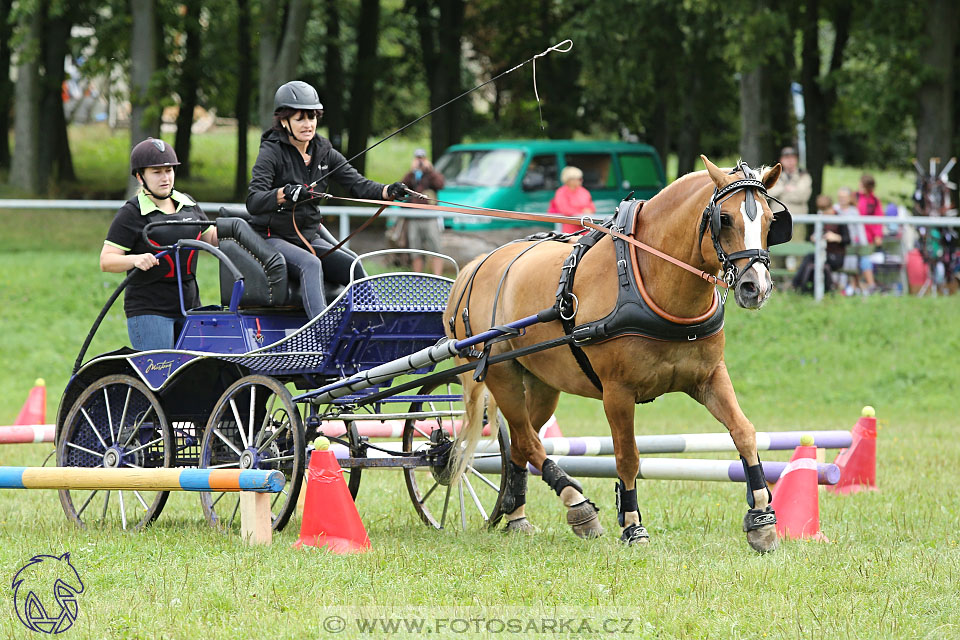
<point x="250" y="382"/>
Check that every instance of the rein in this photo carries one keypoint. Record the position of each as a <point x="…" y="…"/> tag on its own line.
<point x="547" y="218"/>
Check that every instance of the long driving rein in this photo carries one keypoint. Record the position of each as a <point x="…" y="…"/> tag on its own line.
<point x="780" y="230"/>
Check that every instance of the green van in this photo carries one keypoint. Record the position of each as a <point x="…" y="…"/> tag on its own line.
<point x="522" y="175"/>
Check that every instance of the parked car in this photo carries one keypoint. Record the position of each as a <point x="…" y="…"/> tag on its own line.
<point x="522" y="175"/>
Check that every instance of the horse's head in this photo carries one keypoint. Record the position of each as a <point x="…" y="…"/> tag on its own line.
<point x="741" y="227"/>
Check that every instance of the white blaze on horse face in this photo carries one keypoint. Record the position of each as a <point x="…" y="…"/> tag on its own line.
<point x="751" y="232"/>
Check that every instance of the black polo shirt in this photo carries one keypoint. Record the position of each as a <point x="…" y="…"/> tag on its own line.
<point x="154" y="292"/>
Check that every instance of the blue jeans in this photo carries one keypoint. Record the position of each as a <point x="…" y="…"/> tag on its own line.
<point x="151" y="332"/>
<point x="304" y="267"/>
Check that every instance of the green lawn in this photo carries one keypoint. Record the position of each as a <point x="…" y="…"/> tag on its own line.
<point x="891" y="569"/>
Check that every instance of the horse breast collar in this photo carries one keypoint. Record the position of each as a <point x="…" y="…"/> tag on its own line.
<point x="631" y="315"/>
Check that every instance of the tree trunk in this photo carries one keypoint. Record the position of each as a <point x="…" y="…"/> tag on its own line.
<point x="191" y="69"/>
<point x="450" y="43"/>
<point x="24" y="165"/>
<point x="144" y="122"/>
<point x="55" y="159"/>
<point x="244" y="87"/>
<point x="333" y="99"/>
<point x="280" y="43"/>
<point x="6" y="86"/>
<point x="815" y="118"/>
<point x="364" y="75"/>
<point x="754" y="118"/>
<point x="934" y="121"/>
<point x="440" y="46"/>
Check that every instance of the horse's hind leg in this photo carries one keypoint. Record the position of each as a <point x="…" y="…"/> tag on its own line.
<point x="718" y="397"/>
<point x="618" y="404"/>
<point x="517" y="394"/>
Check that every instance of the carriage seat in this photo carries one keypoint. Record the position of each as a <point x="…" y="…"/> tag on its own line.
<point x="264" y="269"/>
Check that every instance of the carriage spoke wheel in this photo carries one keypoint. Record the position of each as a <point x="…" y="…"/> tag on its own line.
<point x="475" y="497"/>
<point x="117" y="422"/>
<point x="254" y="425"/>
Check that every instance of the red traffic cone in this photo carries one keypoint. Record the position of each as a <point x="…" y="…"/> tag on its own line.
<point x="795" y="497"/>
<point x="330" y="517"/>
<point x="34" y="410"/>
<point x="550" y="429"/>
<point x="858" y="463"/>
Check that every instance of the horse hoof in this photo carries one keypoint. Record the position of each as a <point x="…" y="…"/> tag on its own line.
<point x="764" y="539"/>
<point x="520" y="525"/>
<point x="634" y="534"/>
<point x="583" y="519"/>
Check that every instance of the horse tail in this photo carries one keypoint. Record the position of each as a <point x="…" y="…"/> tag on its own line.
<point x="465" y="444"/>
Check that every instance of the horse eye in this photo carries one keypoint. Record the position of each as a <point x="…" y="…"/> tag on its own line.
<point x="726" y="220"/>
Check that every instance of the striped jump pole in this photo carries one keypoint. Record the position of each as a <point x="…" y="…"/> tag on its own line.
<point x="665" y="469"/>
<point x="26" y="434"/>
<point x="688" y="443"/>
<point x="256" y="486"/>
<point x="74" y="478"/>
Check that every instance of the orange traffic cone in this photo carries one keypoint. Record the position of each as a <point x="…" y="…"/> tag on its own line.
<point x="34" y="410"/>
<point x="550" y="429"/>
<point x="330" y="517"/>
<point x="795" y="497"/>
<point x="858" y="463"/>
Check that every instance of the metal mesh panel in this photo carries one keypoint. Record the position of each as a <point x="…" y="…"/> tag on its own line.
<point x="99" y="427"/>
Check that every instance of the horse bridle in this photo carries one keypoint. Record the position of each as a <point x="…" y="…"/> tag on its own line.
<point x="711" y="218"/>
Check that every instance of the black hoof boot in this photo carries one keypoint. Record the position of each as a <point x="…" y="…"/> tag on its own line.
<point x="760" y="526"/>
<point x="634" y="534"/>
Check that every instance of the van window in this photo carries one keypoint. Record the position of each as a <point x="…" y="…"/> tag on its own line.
<point x="639" y="171"/>
<point x="598" y="173"/>
<point x="481" y="167"/>
<point x="542" y="174"/>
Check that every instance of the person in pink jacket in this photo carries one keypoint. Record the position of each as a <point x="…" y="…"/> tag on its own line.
<point x="869" y="205"/>
<point x="572" y="199"/>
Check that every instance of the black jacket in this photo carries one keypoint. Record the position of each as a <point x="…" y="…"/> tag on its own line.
<point x="279" y="163"/>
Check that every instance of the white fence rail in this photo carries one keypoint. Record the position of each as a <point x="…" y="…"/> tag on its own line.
<point x="345" y="213"/>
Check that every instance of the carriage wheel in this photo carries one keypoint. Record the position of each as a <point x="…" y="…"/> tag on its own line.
<point x="254" y="425"/>
<point x="117" y="422"/>
<point x="476" y="496"/>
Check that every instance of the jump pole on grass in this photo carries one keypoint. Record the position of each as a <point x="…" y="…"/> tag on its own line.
<point x="664" y="469"/>
<point x="695" y="443"/>
<point x="255" y="485"/>
<point x="26" y="434"/>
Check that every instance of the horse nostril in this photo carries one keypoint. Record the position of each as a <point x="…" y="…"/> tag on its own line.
<point x="749" y="289"/>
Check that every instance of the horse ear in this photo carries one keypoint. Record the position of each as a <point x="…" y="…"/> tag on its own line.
<point x="716" y="174"/>
<point x="771" y="176"/>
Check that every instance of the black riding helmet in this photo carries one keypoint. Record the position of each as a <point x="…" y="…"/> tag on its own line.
<point x="152" y="153"/>
<point x="297" y="94"/>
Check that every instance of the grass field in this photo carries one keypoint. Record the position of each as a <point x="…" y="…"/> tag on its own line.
<point x="892" y="569"/>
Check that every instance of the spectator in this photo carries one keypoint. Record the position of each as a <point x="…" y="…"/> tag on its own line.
<point x="846" y="206"/>
<point x="794" y="186"/>
<point x="424" y="233"/>
<point x="837" y="236"/>
<point x="869" y="205"/>
<point x="572" y="199"/>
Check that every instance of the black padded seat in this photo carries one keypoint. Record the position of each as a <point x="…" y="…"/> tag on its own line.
<point x="264" y="269"/>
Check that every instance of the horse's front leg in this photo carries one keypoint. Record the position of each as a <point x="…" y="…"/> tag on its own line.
<point x="618" y="405"/>
<point x="718" y="397"/>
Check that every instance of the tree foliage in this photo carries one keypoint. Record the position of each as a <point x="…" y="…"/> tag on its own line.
<point x="688" y="76"/>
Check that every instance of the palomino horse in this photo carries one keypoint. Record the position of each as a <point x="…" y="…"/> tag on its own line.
<point x="708" y="220"/>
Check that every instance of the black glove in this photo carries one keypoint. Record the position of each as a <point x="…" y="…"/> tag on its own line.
<point x="396" y="191"/>
<point x="296" y="192"/>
